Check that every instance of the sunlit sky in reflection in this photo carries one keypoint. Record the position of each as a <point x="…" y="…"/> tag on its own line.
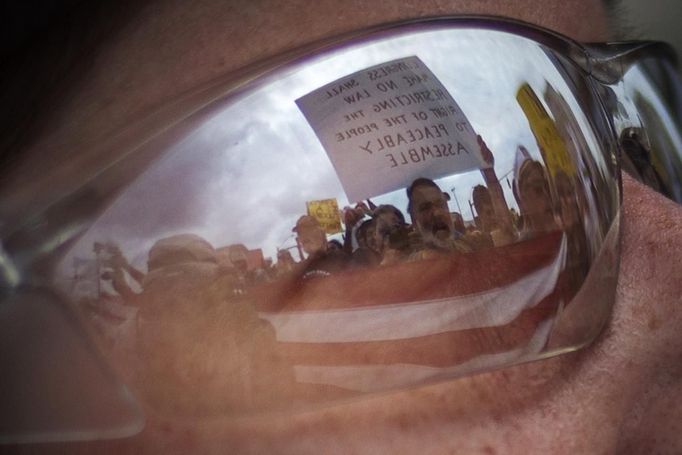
<point x="245" y="174"/>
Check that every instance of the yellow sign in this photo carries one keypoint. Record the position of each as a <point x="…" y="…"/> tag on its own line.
<point x="552" y="145"/>
<point x="326" y="212"/>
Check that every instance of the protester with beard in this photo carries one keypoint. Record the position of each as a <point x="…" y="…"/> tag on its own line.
<point x="428" y="208"/>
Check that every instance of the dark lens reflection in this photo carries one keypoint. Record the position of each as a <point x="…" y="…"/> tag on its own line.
<point x="237" y="276"/>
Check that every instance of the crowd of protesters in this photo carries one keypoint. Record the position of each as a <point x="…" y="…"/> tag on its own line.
<point x="381" y="235"/>
<point x="185" y="270"/>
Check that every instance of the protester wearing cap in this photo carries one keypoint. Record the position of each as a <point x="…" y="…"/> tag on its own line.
<point x="310" y="235"/>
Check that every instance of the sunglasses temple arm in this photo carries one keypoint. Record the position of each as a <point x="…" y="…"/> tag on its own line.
<point x="608" y="62"/>
<point x="608" y="65"/>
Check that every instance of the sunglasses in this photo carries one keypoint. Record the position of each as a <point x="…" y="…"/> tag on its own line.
<point x="443" y="104"/>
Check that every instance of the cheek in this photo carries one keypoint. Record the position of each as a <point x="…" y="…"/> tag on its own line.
<point x="651" y="264"/>
<point x="651" y="268"/>
<point x="645" y="339"/>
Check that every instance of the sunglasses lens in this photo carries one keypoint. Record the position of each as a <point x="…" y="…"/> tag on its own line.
<point x="492" y="148"/>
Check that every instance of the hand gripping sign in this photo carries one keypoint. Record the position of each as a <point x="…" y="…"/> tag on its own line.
<point x="386" y="125"/>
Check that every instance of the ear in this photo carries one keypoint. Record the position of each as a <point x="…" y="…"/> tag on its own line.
<point x="447" y="196"/>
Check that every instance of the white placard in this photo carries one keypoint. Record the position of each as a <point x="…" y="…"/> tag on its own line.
<point x="384" y="126"/>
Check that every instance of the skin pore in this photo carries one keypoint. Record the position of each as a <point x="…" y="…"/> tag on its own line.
<point x="621" y="394"/>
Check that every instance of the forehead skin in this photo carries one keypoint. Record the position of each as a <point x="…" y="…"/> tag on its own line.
<point x="620" y="394"/>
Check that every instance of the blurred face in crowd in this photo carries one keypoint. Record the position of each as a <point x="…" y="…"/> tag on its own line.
<point x="371" y="237"/>
<point x="385" y="224"/>
<point x="569" y="213"/>
<point x="312" y="240"/>
<point x="284" y="258"/>
<point x="365" y="229"/>
<point x="431" y="215"/>
<point x="534" y="193"/>
<point x="621" y="394"/>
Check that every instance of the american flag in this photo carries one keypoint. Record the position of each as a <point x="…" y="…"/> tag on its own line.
<point x="367" y="330"/>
